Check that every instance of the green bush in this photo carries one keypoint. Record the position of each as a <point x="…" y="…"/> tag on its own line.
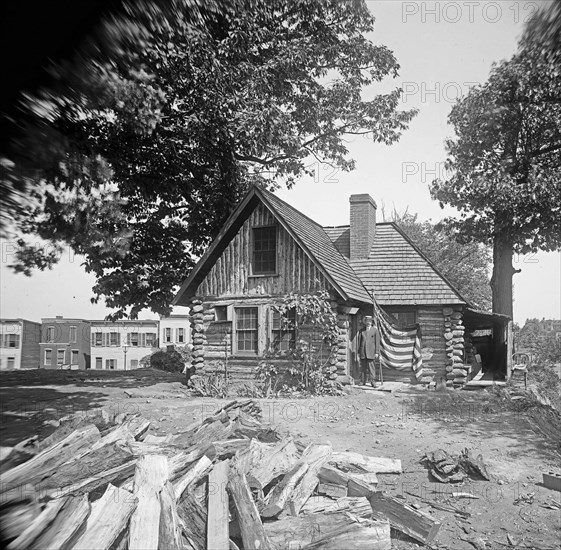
<point x="169" y="361"/>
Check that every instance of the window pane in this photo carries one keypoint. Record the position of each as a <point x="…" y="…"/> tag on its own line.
<point x="98" y="363"/>
<point x="246" y="329"/>
<point x="264" y="249"/>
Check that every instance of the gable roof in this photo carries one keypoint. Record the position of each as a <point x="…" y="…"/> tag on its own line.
<point x="309" y="235"/>
<point x="396" y="270"/>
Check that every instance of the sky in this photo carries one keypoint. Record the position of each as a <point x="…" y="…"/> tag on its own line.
<point x="442" y="48"/>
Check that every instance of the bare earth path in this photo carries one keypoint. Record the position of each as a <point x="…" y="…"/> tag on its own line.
<point x="404" y="424"/>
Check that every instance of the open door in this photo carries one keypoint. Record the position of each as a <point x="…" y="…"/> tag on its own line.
<point x="352" y="354"/>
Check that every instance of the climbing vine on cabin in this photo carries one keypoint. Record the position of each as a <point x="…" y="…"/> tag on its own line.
<point x="316" y="327"/>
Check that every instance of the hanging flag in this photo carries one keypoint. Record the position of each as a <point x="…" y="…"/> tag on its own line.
<point x="400" y="345"/>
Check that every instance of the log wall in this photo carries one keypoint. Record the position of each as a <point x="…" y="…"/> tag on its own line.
<point x="231" y="274"/>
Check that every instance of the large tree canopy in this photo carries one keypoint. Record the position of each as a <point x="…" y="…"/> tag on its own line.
<point x="505" y="162"/>
<point x="138" y="156"/>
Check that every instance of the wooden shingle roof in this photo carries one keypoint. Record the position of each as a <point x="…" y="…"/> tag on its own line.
<point x="313" y="237"/>
<point x="396" y="270"/>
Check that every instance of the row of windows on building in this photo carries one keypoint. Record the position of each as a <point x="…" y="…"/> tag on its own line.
<point x="10" y="341"/>
<point x="113" y="338"/>
<point x="134" y="339"/>
<point x="61" y="357"/>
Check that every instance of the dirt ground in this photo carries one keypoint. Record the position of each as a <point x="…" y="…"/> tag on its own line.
<point x="514" y="510"/>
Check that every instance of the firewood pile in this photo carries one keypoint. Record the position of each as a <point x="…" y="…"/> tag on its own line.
<point x="226" y="482"/>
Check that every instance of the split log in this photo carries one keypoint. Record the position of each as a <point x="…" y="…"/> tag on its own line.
<point x="261" y="463"/>
<point x="114" y="475"/>
<point x="51" y="458"/>
<point x="335" y="530"/>
<point x="89" y="465"/>
<point x="356" y="487"/>
<point x="315" y="455"/>
<point x="358" y="506"/>
<point x="253" y="534"/>
<point x="169" y="531"/>
<point x="229" y="447"/>
<point x="333" y="490"/>
<point x="22" y="451"/>
<point x="357" y="463"/>
<point x="277" y="498"/>
<point x="404" y="518"/>
<point x="217" y="520"/>
<point x="16" y="518"/>
<point x="200" y="469"/>
<point x="37" y="526"/>
<point x="134" y="426"/>
<point x="110" y="515"/>
<point x="193" y="514"/>
<point x="149" y="479"/>
<point x="66" y="525"/>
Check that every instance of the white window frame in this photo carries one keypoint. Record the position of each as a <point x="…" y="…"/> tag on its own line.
<point x="111" y="364"/>
<point x="13" y="360"/>
<point x="99" y="361"/>
<point x="73" y="334"/>
<point x="72" y="353"/>
<point x="50" y="334"/>
<point x="58" y="356"/>
<point x="50" y="361"/>
<point x="167" y="335"/>
<point x="180" y="335"/>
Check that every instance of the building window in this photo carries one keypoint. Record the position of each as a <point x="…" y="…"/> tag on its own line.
<point x="180" y="335"/>
<point x="168" y="334"/>
<point x="133" y="339"/>
<point x="98" y="363"/>
<point x="60" y="356"/>
<point x="134" y="363"/>
<point x="50" y="334"/>
<point x="114" y="339"/>
<point x="150" y="339"/>
<point x="72" y="334"/>
<point x="110" y="364"/>
<point x="283" y="330"/>
<point x="48" y="357"/>
<point x="11" y="340"/>
<point x="74" y="357"/>
<point x="97" y="339"/>
<point x="11" y="362"/>
<point x="264" y="250"/>
<point x="246" y="330"/>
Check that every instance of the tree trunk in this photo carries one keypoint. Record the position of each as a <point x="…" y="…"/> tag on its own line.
<point x="501" y="281"/>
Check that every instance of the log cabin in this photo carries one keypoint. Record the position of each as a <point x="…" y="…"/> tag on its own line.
<point x="268" y="249"/>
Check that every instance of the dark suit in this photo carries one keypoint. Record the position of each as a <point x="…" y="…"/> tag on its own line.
<point x="368" y="349"/>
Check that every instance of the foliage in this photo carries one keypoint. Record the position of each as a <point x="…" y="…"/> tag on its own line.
<point x="505" y="163"/>
<point x="309" y="372"/>
<point x="550" y="352"/>
<point x="215" y="384"/>
<point x="466" y="266"/>
<point x="169" y="361"/>
<point x="156" y="130"/>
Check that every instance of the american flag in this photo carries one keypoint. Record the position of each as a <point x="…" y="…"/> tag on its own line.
<point x="400" y="345"/>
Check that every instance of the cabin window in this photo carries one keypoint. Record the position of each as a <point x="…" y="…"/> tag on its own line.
<point x="264" y="250"/>
<point x="246" y="330"/>
<point x="283" y="330"/>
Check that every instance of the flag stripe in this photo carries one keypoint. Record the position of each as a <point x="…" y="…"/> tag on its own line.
<point x="400" y="345"/>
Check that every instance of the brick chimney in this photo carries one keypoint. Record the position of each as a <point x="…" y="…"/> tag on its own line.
<point x="363" y="225"/>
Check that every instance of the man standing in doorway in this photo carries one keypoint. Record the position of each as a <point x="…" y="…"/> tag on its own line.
<point x="369" y="351"/>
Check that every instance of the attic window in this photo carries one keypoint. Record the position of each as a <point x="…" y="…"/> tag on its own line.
<point x="264" y="250"/>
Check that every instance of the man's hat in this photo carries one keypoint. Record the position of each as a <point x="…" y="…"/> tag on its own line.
<point x="367" y="318"/>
